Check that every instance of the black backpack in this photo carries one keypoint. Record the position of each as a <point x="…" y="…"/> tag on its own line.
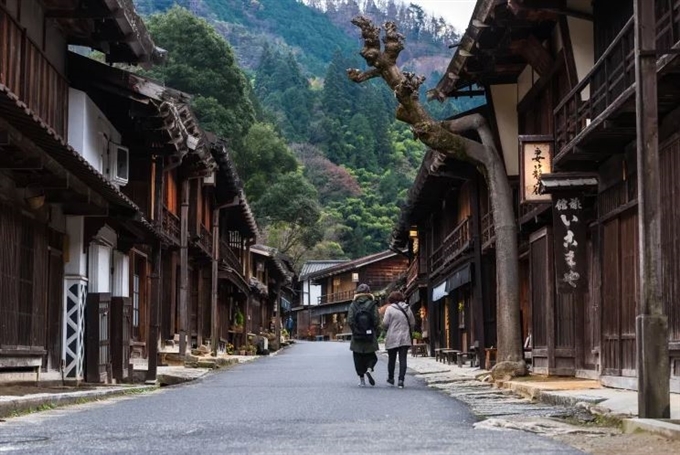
<point x="364" y="325"/>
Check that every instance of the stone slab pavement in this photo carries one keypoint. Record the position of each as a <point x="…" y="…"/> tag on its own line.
<point x="618" y="405"/>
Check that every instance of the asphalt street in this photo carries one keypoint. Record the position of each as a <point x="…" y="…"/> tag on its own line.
<point x="306" y="400"/>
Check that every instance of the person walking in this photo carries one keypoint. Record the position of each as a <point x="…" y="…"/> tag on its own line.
<point x="398" y="321"/>
<point x="364" y="322"/>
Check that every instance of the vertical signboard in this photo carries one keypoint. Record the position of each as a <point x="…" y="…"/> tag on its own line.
<point x="535" y="160"/>
<point x="570" y="243"/>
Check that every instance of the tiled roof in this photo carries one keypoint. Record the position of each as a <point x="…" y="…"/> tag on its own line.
<point x="352" y="265"/>
<point x="310" y="267"/>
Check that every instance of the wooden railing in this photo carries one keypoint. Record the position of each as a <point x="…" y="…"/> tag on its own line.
<point x="488" y="229"/>
<point x="206" y="240"/>
<point x="452" y="246"/>
<point x="611" y="76"/>
<point x="412" y="272"/>
<point x="171" y="224"/>
<point x="27" y="72"/>
<point x="345" y="296"/>
<point x="229" y="258"/>
<point x="341" y="296"/>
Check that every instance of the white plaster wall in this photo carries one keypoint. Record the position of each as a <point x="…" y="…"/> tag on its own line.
<point x="121" y="275"/>
<point x="99" y="268"/>
<point x="310" y="293"/>
<point x="504" y="98"/>
<point x="582" y="42"/>
<point x="525" y="81"/>
<point x="89" y="130"/>
<point x="76" y="264"/>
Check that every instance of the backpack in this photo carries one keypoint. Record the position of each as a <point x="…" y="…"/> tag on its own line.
<point x="364" y="325"/>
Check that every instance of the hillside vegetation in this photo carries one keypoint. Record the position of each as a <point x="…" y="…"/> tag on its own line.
<point x="325" y="163"/>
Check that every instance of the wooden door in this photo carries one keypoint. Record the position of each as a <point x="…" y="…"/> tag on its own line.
<point x="542" y="299"/>
<point x="619" y="294"/>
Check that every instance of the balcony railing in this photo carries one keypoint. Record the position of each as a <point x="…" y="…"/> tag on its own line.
<point x="488" y="230"/>
<point x="206" y="240"/>
<point x="341" y="296"/>
<point x="613" y="73"/>
<point x="229" y="258"/>
<point x="453" y="245"/>
<point x="27" y="72"/>
<point x="611" y="81"/>
<point x="412" y="272"/>
<point x="171" y="225"/>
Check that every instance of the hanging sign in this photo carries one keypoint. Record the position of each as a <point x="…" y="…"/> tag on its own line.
<point x="570" y="243"/>
<point x="535" y="160"/>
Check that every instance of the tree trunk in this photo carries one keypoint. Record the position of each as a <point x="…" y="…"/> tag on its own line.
<point x="443" y="137"/>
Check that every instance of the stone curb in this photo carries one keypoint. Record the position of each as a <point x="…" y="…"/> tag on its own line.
<point x="32" y="403"/>
<point x="663" y="427"/>
<point x="558" y="398"/>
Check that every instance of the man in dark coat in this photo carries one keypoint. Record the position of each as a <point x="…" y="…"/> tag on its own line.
<point x="364" y="345"/>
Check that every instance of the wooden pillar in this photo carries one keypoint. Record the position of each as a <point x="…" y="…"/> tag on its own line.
<point x="651" y="323"/>
<point x="156" y="256"/>
<point x="277" y="329"/>
<point x="183" y="267"/>
<point x="214" y="321"/>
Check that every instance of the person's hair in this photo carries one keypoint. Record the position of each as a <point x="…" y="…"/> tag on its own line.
<point x="396" y="296"/>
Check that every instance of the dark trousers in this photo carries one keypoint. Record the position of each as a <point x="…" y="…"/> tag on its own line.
<point x="362" y="362"/>
<point x="392" y="359"/>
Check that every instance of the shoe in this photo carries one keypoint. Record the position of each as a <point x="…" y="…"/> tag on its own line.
<point x="401" y="384"/>
<point x="362" y="382"/>
<point x="390" y="381"/>
<point x="370" y="378"/>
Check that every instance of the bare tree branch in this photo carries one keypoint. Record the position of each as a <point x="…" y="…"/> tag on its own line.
<point x="445" y="137"/>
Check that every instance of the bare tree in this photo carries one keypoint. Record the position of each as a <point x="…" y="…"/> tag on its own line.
<point x="444" y="137"/>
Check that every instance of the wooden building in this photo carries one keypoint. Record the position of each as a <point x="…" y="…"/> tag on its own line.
<point x="440" y="228"/>
<point x="326" y="317"/>
<point x="130" y="222"/>
<point x="560" y="89"/>
<point x="65" y="219"/>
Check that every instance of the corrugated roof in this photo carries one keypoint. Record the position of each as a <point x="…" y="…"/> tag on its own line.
<point x="352" y="265"/>
<point x="310" y="267"/>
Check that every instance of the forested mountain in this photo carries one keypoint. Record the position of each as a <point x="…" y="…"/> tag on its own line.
<point x="325" y="163"/>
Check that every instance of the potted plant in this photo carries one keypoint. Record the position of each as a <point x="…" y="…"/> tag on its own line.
<point x="417" y="337"/>
<point x="242" y="350"/>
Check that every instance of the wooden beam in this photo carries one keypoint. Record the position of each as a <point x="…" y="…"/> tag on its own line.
<point x="23" y="163"/>
<point x="534" y="53"/>
<point x="84" y="209"/>
<point x="84" y="13"/>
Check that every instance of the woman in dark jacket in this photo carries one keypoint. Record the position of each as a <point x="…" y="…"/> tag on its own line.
<point x="364" y="342"/>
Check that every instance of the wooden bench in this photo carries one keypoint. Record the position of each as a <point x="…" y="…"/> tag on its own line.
<point x="462" y="357"/>
<point x="450" y="355"/>
<point x="343" y="336"/>
<point x="419" y="350"/>
<point x="438" y="356"/>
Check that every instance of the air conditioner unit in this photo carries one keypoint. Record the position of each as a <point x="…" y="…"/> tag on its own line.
<point x="119" y="163"/>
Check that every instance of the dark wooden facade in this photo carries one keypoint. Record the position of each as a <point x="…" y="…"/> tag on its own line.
<point x="327" y="316"/>
<point x="441" y="229"/>
<point x="45" y="181"/>
<point x="584" y="100"/>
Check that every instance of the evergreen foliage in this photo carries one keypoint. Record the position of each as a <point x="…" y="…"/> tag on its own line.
<point x="335" y="191"/>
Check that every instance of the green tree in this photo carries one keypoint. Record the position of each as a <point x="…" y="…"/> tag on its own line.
<point x="201" y="62"/>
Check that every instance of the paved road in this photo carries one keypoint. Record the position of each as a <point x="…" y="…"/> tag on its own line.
<point x="303" y="401"/>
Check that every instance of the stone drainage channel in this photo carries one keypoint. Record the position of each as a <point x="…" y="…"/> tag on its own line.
<point x="502" y="409"/>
